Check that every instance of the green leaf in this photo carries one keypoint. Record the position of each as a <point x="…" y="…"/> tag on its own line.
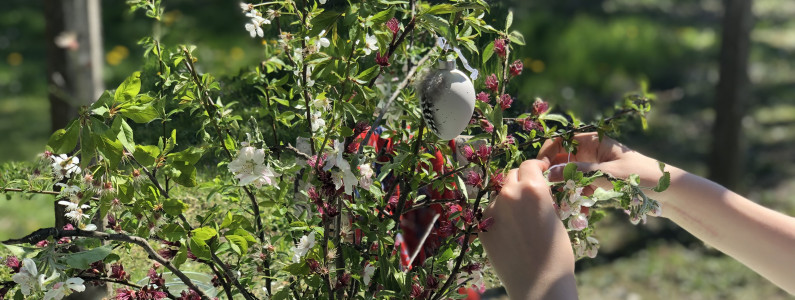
<point x="129" y="88"/>
<point x="488" y="52"/>
<point x="181" y="257"/>
<point x="570" y="171"/>
<point x="601" y="194"/>
<point x="437" y="24"/>
<point x="170" y="142"/>
<point x="516" y="38"/>
<point x="509" y="20"/>
<point x="282" y="294"/>
<point x="143" y="113"/>
<point x="664" y="181"/>
<point x="297" y="269"/>
<point x="204" y="233"/>
<point x="383" y="16"/>
<point x="496" y="118"/>
<point x="112" y="150"/>
<point x="82" y="260"/>
<point x="555" y="117"/>
<point x="441" y="9"/>
<point x="199" y="248"/>
<point x="239" y="242"/>
<point x="187" y="175"/>
<point x="125" y="133"/>
<point x="323" y="21"/>
<point x="190" y="155"/>
<point x="64" y="141"/>
<point x="368" y="74"/>
<point x="174" y="207"/>
<point x="146" y="154"/>
<point x="172" y="232"/>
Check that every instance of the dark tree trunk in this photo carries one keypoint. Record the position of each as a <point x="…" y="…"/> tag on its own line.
<point x="74" y="78"/>
<point x="732" y="94"/>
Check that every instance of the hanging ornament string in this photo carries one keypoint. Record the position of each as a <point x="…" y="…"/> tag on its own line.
<point x="442" y="43"/>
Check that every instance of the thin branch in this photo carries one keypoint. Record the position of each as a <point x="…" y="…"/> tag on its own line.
<point x="41" y="192"/>
<point x="55" y="233"/>
<point x="498" y="152"/>
<point x="405" y="83"/>
<point x="231" y="277"/>
<point x="409" y="28"/>
<point x="207" y="104"/>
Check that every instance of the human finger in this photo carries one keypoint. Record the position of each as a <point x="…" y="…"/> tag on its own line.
<point x="532" y="169"/>
<point x="588" y="148"/>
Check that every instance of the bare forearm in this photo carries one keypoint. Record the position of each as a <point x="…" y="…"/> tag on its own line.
<point x="760" y="238"/>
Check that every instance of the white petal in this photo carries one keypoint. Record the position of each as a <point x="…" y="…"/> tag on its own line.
<point x="76" y="284"/>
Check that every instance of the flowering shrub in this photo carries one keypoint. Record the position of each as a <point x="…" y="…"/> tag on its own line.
<point x="320" y="177"/>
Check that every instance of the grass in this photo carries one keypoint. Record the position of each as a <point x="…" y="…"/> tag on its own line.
<point x="672" y="271"/>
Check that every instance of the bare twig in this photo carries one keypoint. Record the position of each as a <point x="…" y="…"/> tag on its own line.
<point x="405" y="83"/>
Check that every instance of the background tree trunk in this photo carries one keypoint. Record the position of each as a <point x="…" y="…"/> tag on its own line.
<point x="74" y="77"/>
<point x="732" y="94"/>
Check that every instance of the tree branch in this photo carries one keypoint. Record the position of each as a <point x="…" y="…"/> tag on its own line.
<point x="55" y="233"/>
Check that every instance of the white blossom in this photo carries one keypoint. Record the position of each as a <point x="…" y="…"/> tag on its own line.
<point x="322" y="1"/>
<point x="344" y="178"/>
<point x="61" y="289"/>
<point x="64" y="166"/>
<point x="317" y="121"/>
<point x="71" y="206"/>
<point x="255" y="27"/>
<point x="578" y="222"/>
<point x="304" y="245"/>
<point x="321" y="103"/>
<point x="370" y="44"/>
<point x="246" y="6"/>
<point x="76" y="216"/>
<point x="249" y="168"/>
<point x="367" y="274"/>
<point x="27" y="276"/>
<point x="322" y="41"/>
<point x="367" y="176"/>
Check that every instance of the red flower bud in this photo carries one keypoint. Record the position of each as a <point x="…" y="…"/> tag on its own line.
<point x="499" y="47"/>
<point x="540" y="107"/>
<point x="486" y="125"/>
<point x="506" y="101"/>
<point x="516" y="68"/>
<point x="492" y="83"/>
<point x="393" y="25"/>
<point x="382" y="60"/>
<point x="483" y="97"/>
<point x="485" y="224"/>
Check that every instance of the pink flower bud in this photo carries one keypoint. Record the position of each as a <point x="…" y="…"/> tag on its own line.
<point x="499" y="47"/>
<point x="485" y="224"/>
<point x="497" y="181"/>
<point x="13" y="263"/>
<point x="393" y="25"/>
<point x="483" y="97"/>
<point x="486" y="125"/>
<point x="492" y="83"/>
<point x="474" y="179"/>
<point x="506" y="101"/>
<point x="529" y="124"/>
<point x="540" y="106"/>
<point x="382" y="60"/>
<point x="516" y="68"/>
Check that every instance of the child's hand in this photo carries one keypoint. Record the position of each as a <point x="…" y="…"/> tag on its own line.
<point x="528" y="245"/>
<point x="607" y="155"/>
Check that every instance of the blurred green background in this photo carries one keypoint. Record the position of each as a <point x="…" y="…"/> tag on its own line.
<point x="582" y="56"/>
